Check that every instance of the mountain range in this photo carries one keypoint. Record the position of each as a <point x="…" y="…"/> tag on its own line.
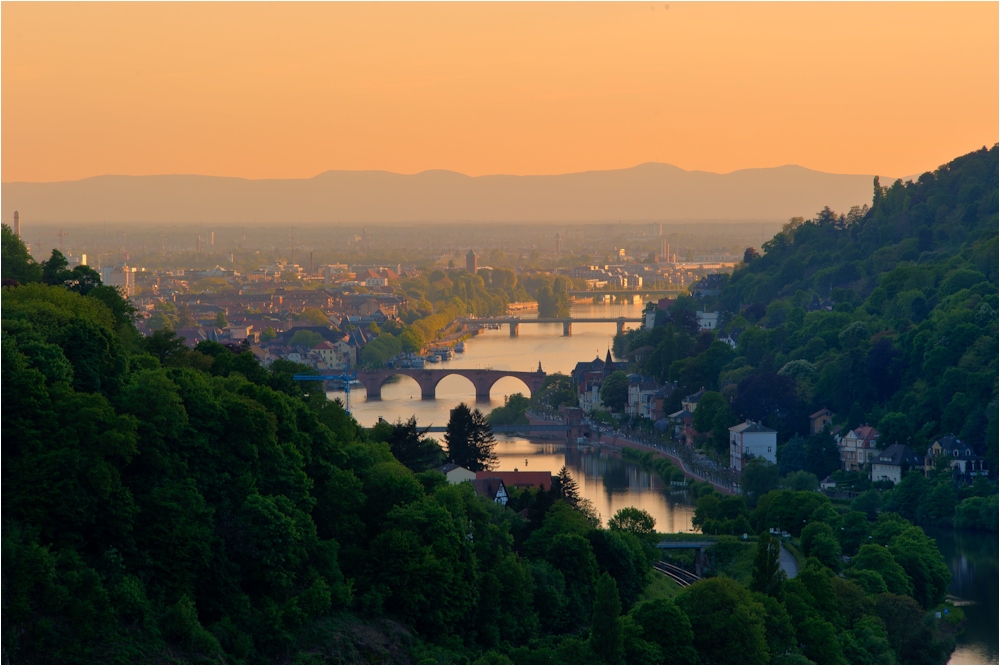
<point x="648" y="192"/>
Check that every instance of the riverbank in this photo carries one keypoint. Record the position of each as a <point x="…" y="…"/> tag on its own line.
<point x="618" y="441"/>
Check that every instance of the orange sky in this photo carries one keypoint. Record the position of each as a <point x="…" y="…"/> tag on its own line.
<point x="282" y="90"/>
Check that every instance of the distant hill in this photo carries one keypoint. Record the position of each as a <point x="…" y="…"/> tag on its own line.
<point x="649" y="191"/>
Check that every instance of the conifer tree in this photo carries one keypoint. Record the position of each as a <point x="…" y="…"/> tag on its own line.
<point x="767" y="573"/>
<point x="565" y="488"/>
<point x="470" y="439"/>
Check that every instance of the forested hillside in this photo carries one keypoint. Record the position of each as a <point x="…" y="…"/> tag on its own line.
<point x="162" y="504"/>
<point x="886" y="315"/>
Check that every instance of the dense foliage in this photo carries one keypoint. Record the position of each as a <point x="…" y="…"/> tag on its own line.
<point x="166" y="504"/>
<point x="886" y="315"/>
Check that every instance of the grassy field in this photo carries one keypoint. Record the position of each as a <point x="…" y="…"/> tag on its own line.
<point x="659" y="587"/>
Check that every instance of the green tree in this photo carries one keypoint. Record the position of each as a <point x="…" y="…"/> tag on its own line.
<point x="314" y="316"/>
<point x="410" y="447"/>
<point x="708" y="408"/>
<point x="722" y="607"/>
<point x="767" y="576"/>
<point x="920" y="558"/>
<point x="470" y="439"/>
<point x="220" y="320"/>
<point x="760" y="477"/>
<point x="614" y="391"/>
<point x="634" y="521"/>
<point x="164" y="345"/>
<point x="876" y="558"/>
<point x="512" y="411"/>
<point x="606" y="622"/>
<point x="17" y="263"/>
<point x="564" y="487"/>
<point x="305" y="338"/>
<point x="664" y="624"/>
<point x="818" y="541"/>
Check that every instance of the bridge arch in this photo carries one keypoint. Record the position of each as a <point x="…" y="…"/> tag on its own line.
<point x="428" y="380"/>
<point x="445" y="374"/>
<point x="528" y="391"/>
<point x="378" y="384"/>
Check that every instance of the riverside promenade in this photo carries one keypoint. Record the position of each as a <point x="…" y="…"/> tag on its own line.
<point x="618" y="441"/>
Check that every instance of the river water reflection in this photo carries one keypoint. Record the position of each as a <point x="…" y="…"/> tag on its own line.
<point x="603" y="477"/>
<point x="611" y="483"/>
<point x="972" y="559"/>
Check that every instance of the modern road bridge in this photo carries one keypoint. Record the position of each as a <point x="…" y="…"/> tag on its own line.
<point x="567" y="322"/>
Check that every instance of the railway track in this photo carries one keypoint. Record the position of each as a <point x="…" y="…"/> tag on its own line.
<point x="676" y="574"/>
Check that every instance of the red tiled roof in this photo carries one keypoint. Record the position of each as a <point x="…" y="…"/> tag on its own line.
<point x="520" y="479"/>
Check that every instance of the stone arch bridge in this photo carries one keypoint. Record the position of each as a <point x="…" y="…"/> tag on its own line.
<point x="428" y="380"/>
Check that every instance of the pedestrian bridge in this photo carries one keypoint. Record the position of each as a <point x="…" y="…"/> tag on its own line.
<point x="428" y="379"/>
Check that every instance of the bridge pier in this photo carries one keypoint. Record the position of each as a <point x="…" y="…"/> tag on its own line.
<point x="567" y="328"/>
<point x="621" y="326"/>
<point x="514" y="329"/>
<point x="427" y="393"/>
<point x="700" y="562"/>
<point x="374" y="393"/>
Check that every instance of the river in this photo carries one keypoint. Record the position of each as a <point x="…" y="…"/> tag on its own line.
<point x="972" y="559"/>
<point x="612" y="483"/>
<point x="603" y="477"/>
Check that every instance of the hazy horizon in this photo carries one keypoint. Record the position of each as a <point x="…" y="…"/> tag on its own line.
<point x="647" y="192"/>
<point x="292" y="90"/>
<point x="888" y="179"/>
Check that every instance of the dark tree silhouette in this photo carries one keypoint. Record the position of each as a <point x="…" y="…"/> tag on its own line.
<point x="470" y="439"/>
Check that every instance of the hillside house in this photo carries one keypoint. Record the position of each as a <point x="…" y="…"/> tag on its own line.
<point x="894" y="462"/>
<point x="640" y="395"/>
<point x="519" y="479"/>
<point x="965" y="464"/>
<point x="858" y="448"/>
<point x="751" y="440"/>
<point x="707" y="321"/>
<point x="492" y="489"/>
<point x="456" y="473"/>
<point x="820" y="420"/>
<point x="690" y="402"/>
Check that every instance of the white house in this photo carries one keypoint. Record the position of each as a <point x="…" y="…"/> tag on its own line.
<point x="640" y="395"/>
<point x="492" y="489"/>
<point x="751" y="440"/>
<point x="456" y="474"/>
<point x="891" y="464"/>
<point x="707" y="321"/>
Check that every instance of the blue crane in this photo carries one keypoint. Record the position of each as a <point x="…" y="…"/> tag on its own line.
<point x="347" y="379"/>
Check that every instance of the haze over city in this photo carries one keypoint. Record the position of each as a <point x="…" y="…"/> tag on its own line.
<point x="500" y="332"/>
<point x="262" y="90"/>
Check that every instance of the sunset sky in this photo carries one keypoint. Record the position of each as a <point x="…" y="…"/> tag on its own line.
<point x="282" y="90"/>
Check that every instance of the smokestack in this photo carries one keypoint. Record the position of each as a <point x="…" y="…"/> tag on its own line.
<point x="212" y="239"/>
<point x="17" y="224"/>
